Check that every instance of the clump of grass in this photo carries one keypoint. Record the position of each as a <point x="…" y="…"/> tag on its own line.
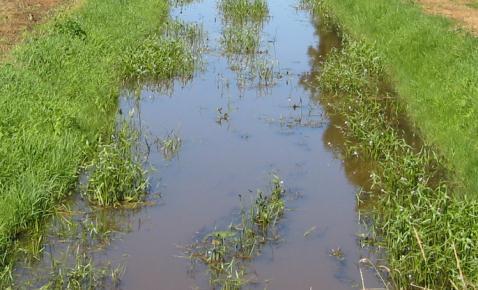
<point x="174" y="53"/>
<point x="117" y="173"/>
<point x="170" y="145"/>
<point x="83" y="274"/>
<point x="430" y="235"/>
<point x="71" y="27"/>
<point x="159" y="58"/>
<point x="226" y="252"/>
<point x="240" y="40"/>
<point x="240" y="11"/>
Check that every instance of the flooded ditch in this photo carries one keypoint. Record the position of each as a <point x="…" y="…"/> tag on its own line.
<point x="248" y="114"/>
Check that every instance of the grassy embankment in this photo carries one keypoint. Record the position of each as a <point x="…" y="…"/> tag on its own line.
<point x="58" y="103"/>
<point x="433" y="67"/>
<point x="428" y="230"/>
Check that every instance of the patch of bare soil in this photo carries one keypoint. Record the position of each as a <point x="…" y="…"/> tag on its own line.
<point x="17" y="16"/>
<point x="463" y="11"/>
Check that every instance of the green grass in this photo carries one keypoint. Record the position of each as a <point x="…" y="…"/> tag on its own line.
<point x="226" y="252"/>
<point x="169" y="145"/>
<point x="430" y="237"/>
<point x="240" y="11"/>
<point x="244" y="39"/>
<point x="117" y="175"/>
<point x="433" y="67"/>
<point x="58" y="98"/>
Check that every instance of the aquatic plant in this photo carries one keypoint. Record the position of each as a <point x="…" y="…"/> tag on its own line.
<point x="428" y="232"/>
<point x="240" y="40"/>
<point x="172" y="53"/>
<point x="58" y="94"/>
<point x="170" y="145"/>
<point x="117" y="174"/>
<point x="226" y="252"/>
<point x="159" y="58"/>
<point x="240" y="11"/>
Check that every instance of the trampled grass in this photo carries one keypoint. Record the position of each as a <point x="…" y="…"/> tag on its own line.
<point x="58" y="98"/>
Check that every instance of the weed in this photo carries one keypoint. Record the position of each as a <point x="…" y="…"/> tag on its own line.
<point x="222" y="116"/>
<point x="240" y="11"/>
<point x="71" y="27"/>
<point x="433" y="70"/>
<point x="83" y="274"/>
<point x="240" y="40"/>
<point x="160" y="59"/>
<point x="170" y="145"/>
<point x="337" y="253"/>
<point x="172" y="54"/>
<point x="225" y="252"/>
<point x="117" y="174"/>
<point x="58" y="97"/>
<point x="416" y="219"/>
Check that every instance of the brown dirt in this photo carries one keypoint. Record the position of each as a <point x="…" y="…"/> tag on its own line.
<point x="17" y="16"/>
<point x="459" y="10"/>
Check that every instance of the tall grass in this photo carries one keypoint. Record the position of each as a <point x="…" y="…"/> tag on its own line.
<point x="429" y="234"/>
<point x="433" y="67"/>
<point x="58" y="98"/>
<point x="117" y="173"/>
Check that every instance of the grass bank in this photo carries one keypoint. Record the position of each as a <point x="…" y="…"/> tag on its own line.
<point x="58" y="99"/>
<point x="429" y="234"/>
<point x="433" y="66"/>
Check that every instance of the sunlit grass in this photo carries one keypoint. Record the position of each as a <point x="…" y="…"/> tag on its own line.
<point x="58" y="104"/>
<point x="429" y="234"/>
<point x="240" y="11"/>
<point x="226" y="252"/>
<point x="433" y="67"/>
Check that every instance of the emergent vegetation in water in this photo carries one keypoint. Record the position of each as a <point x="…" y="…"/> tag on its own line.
<point x="82" y="275"/>
<point x="174" y="53"/>
<point x="241" y="40"/>
<point x="58" y="99"/>
<point x="117" y="173"/>
<point x="239" y="11"/>
<point x="434" y="71"/>
<point x="430" y="235"/>
<point x="226" y="252"/>
<point x="170" y="145"/>
<point x="66" y="252"/>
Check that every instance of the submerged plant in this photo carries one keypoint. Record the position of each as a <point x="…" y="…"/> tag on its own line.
<point x="225" y="252"/>
<point x="117" y="173"/>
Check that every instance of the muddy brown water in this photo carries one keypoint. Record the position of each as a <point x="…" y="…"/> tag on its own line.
<point x="280" y="128"/>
